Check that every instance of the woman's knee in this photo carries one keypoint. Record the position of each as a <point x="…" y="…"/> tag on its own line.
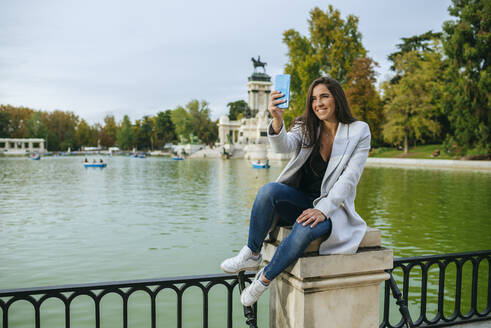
<point x="302" y="234"/>
<point x="270" y="190"/>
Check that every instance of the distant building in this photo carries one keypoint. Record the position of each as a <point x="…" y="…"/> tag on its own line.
<point x="21" y="146"/>
<point x="248" y="137"/>
<point x="91" y="149"/>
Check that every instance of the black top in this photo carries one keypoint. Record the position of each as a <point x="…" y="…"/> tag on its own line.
<point x="312" y="173"/>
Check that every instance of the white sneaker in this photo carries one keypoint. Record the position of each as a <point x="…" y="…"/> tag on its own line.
<point x="251" y="294"/>
<point x="242" y="261"/>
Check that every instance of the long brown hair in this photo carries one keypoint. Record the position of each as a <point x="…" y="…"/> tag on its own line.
<point x="310" y="123"/>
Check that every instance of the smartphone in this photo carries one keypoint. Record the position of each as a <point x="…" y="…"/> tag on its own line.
<point x="282" y="84"/>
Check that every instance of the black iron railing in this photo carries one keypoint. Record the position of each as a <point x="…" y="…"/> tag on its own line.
<point x="428" y="271"/>
<point x="67" y="294"/>
<point x="419" y="274"/>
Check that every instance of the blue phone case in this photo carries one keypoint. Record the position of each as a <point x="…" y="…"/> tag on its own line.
<point x="282" y="84"/>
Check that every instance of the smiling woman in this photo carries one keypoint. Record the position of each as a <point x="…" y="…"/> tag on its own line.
<point x="315" y="192"/>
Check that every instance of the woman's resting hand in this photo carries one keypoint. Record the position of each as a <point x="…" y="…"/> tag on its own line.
<point x="276" y="112"/>
<point x="311" y="215"/>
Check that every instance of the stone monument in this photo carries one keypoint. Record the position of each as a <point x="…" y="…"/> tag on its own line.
<point x="248" y="137"/>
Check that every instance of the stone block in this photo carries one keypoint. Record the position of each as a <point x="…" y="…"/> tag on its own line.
<point x="338" y="291"/>
<point x="341" y="305"/>
<point x="364" y="261"/>
<point x="372" y="238"/>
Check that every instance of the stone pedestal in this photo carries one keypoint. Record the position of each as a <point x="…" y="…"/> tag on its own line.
<point x="338" y="291"/>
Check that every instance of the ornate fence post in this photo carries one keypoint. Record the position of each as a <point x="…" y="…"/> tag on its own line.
<point x="250" y="312"/>
<point x="330" y="291"/>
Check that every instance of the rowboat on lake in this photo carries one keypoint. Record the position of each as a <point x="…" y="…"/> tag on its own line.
<point x="35" y="157"/>
<point x="95" y="164"/>
<point x="259" y="165"/>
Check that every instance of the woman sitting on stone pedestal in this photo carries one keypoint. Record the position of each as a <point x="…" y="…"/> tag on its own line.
<point x="315" y="192"/>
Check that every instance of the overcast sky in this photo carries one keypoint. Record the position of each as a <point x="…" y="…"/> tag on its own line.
<point x="99" y="57"/>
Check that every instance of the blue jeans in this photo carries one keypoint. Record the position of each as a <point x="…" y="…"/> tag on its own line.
<point x="277" y="198"/>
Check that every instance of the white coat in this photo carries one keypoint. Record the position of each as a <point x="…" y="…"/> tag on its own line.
<point x="338" y="190"/>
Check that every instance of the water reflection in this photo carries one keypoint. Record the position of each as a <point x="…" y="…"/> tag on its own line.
<point x="427" y="211"/>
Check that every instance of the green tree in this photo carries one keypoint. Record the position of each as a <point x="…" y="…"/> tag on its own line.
<point x="4" y="123"/>
<point x="125" y="134"/>
<point x="109" y="132"/>
<point x="61" y="129"/>
<point x="136" y="132"/>
<point x="143" y="133"/>
<point x="409" y="109"/>
<point x="193" y="121"/>
<point x="83" y="134"/>
<point x="18" y="117"/>
<point x="239" y="109"/>
<point x="209" y="134"/>
<point x="467" y="98"/>
<point x="164" y="129"/>
<point x="331" y="48"/>
<point x="95" y="132"/>
<point x="202" y="126"/>
<point x="363" y="97"/>
<point x="419" y="43"/>
<point x="183" y="123"/>
<point x="36" y="127"/>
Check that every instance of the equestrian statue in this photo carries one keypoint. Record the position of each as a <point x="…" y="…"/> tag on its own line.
<point x="258" y="63"/>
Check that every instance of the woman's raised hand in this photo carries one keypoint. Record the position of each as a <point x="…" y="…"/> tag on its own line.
<point x="276" y="112"/>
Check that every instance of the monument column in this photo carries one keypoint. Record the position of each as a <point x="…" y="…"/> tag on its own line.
<point x="259" y="88"/>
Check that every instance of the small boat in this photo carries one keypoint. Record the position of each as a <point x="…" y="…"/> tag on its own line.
<point x="142" y="156"/>
<point x="178" y="158"/>
<point x="35" y="157"/>
<point x="95" y="164"/>
<point x="259" y="165"/>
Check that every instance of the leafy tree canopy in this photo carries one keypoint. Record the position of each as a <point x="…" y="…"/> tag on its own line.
<point x="182" y="121"/>
<point x="61" y="127"/>
<point x="417" y="43"/>
<point x="108" y="134"/>
<point x="125" y="134"/>
<point x="4" y="124"/>
<point x="363" y="98"/>
<point x="164" y="129"/>
<point x="410" y="111"/>
<point x="239" y="109"/>
<point x="331" y="48"/>
<point x="36" y="127"/>
<point x="83" y="135"/>
<point x="467" y="45"/>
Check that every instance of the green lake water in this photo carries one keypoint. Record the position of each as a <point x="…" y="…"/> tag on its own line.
<point x="153" y="218"/>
